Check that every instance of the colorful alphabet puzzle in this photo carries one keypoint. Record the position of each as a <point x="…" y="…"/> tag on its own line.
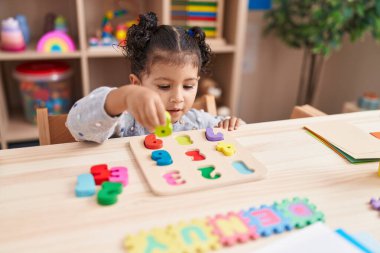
<point x="194" y="160"/>
<point x="225" y="230"/>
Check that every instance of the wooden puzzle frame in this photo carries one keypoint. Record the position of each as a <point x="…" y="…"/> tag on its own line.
<point x="188" y="169"/>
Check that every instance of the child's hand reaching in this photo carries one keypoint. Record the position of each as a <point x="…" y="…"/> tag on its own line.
<point x="229" y="124"/>
<point x="143" y="103"/>
<point x="146" y="107"/>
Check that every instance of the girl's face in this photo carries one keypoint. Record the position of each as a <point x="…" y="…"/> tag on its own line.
<point x="176" y="85"/>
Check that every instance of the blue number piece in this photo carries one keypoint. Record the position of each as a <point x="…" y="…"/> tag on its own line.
<point x="162" y="157"/>
<point x="242" y="168"/>
<point x="85" y="185"/>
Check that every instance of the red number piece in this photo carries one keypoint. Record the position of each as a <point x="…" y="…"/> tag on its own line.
<point x="151" y="142"/>
<point x="100" y="173"/>
<point x="197" y="156"/>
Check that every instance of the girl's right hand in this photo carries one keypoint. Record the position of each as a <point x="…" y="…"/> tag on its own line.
<point x="146" y="107"/>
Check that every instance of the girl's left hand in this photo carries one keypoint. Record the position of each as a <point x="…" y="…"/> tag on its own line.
<point x="230" y="124"/>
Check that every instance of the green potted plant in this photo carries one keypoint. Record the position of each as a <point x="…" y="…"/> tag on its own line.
<point x="318" y="27"/>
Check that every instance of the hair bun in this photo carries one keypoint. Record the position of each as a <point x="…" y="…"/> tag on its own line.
<point x="148" y="21"/>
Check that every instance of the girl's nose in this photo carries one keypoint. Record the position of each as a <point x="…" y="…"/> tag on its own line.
<point x="176" y="98"/>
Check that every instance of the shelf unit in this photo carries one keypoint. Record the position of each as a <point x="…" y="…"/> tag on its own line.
<point x="108" y="66"/>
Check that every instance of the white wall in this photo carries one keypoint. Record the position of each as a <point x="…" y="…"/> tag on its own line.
<point x="271" y="73"/>
<point x="349" y="72"/>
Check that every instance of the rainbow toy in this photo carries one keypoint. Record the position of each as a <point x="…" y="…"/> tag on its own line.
<point x="55" y="42"/>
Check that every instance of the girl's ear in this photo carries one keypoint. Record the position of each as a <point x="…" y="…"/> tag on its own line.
<point x="134" y="79"/>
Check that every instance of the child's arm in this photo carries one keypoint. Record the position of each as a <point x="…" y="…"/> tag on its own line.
<point x="99" y="115"/>
<point x="144" y="104"/>
<point x="207" y="120"/>
<point x="88" y="121"/>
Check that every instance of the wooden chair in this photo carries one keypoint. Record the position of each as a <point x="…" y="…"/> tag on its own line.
<point x="52" y="128"/>
<point x="207" y="103"/>
<point x="305" y="111"/>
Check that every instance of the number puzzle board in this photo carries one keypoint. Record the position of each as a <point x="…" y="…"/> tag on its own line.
<point x="183" y="175"/>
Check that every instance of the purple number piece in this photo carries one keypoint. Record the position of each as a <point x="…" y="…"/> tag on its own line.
<point x="210" y="136"/>
<point x="375" y="204"/>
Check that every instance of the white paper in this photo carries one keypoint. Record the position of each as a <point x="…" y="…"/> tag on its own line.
<point x="317" y="238"/>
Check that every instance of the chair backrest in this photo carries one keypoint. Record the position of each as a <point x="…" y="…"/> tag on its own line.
<point x="207" y="103"/>
<point x="305" y="111"/>
<point x="52" y="128"/>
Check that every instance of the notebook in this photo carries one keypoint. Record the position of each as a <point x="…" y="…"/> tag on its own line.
<point x="347" y="140"/>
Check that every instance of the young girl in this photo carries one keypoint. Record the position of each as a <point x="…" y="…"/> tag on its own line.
<point x="166" y="62"/>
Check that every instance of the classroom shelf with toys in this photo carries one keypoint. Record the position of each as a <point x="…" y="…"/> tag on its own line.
<point x="92" y="63"/>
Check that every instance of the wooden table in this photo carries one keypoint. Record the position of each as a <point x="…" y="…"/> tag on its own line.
<point x="40" y="213"/>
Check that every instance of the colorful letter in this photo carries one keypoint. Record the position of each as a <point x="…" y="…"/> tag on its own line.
<point x="162" y="131"/>
<point x="195" y="236"/>
<point x="299" y="211"/>
<point x="108" y="194"/>
<point x="100" y="173"/>
<point x="206" y="172"/>
<point x="162" y="157"/>
<point x="120" y="175"/>
<point x="231" y="229"/>
<point x="173" y="178"/>
<point x="226" y="148"/>
<point x="267" y="220"/>
<point x="151" y="142"/>
<point x="153" y="241"/>
<point x="210" y="136"/>
<point x="85" y="185"/>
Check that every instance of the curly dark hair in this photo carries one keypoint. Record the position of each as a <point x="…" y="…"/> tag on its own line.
<point x="148" y="43"/>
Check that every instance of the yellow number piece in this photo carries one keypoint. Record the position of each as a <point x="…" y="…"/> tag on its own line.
<point x="226" y="148"/>
<point x="162" y="131"/>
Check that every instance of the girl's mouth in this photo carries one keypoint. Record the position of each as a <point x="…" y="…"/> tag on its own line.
<point x="175" y="112"/>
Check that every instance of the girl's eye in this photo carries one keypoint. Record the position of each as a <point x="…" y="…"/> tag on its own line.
<point x="164" y="86"/>
<point x="188" y="87"/>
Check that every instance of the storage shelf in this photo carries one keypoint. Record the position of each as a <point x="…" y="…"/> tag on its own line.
<point x="104" y="52"/>
<point x="34" y="55"/>
<point x="94" y="67"/>
<point x="20" y="130"/>
<point x="116" y="52"/>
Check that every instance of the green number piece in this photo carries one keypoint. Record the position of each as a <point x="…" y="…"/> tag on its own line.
<point x="206" y="172"/>
<point x="162" y="131"/>
<point x="108" y="194"/>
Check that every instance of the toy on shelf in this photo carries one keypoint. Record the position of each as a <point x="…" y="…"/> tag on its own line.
<point x="369" y="101"/>
<point x="12" y="38"/>
<point x="209" y="86"/>
<point x="208" y="15"/>
<point x="44" y="84"/>
<point x="57" y="40"/>
<point x="60" y="24"/>
<point x="108" y="36"/>
<point x="23" y="24"/>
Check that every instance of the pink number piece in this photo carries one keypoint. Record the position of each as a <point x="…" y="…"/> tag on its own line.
<point x="173" y="178"/>
<point x="119" y="175"/>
